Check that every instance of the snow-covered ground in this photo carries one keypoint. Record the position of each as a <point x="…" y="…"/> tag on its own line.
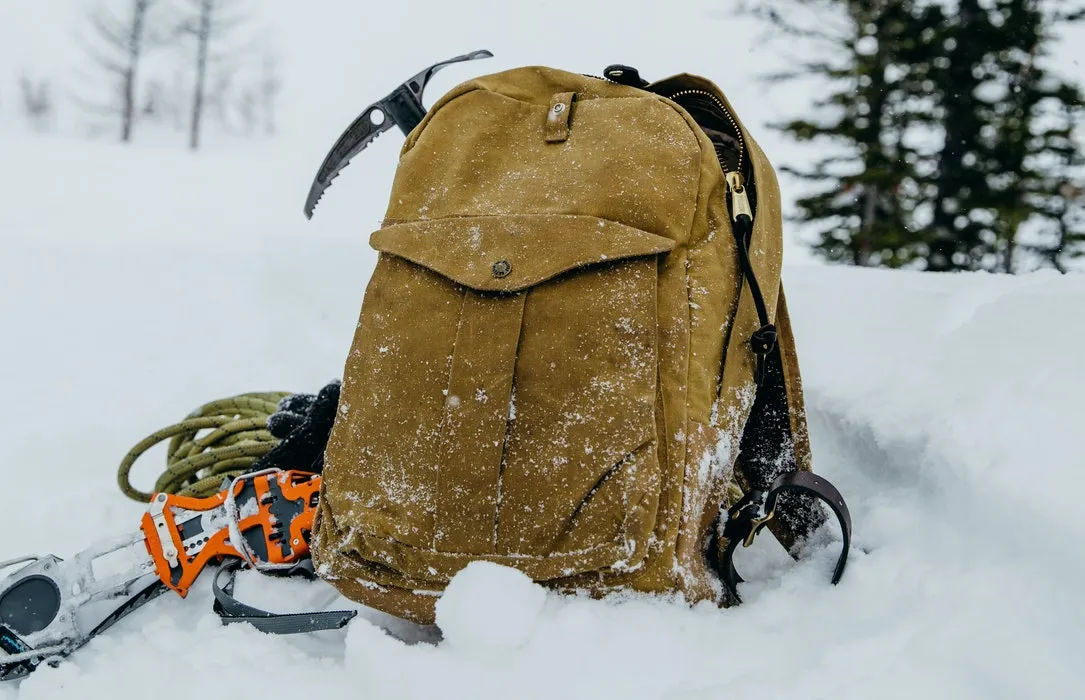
<point x="136" y="284"/>
<point x="947" y="409"/>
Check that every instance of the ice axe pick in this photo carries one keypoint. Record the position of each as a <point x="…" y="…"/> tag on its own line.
<point x="401" y="107"/>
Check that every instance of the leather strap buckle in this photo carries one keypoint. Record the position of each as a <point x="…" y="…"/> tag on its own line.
<point x="755" y="526"/>
<point x="757" y="508"/>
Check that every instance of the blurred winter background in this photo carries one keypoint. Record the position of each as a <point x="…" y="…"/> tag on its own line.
<point x="140" y="278"/>
<point x="920" y="105"/>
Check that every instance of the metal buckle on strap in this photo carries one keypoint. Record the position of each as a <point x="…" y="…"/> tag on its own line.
<point x="755" y="526"/>
<point x="157" y="509"/>
<point x="745" y="519"/>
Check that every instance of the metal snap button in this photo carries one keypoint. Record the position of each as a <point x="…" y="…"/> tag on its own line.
<point x="559" y="108"/>
<point x="501" y="268"/>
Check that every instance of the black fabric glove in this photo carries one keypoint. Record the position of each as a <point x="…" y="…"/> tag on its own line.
<point x="303" y="423"/>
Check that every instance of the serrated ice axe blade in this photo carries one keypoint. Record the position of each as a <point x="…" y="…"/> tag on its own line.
<point x="402" y="107"/>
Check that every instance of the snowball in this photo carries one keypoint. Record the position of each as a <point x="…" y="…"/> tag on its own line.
<point x="487" y="607"/>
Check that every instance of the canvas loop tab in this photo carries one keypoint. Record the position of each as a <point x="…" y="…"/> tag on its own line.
<point x="231" y="610"/>
<point x="754" y="511"/>
<point x="559" y="116"/>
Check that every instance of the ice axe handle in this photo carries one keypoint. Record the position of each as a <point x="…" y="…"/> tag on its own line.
<point x="405" y="109"/>
<point x="404" y="104"/>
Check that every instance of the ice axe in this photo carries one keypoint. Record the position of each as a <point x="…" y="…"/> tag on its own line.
<point x="401" y="107"/>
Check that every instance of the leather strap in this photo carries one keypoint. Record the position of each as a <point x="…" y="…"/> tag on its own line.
<point x="231" y="610"/>
<point x="763" y="340"/>
<point x="754" y="511"/>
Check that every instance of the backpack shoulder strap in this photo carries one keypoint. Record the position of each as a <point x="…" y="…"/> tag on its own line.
<point x="774" y="465"/>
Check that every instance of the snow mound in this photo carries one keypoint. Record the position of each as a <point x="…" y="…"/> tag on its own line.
<point x="488" y="608"/>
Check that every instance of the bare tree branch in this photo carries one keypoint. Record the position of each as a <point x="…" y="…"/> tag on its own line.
<point x="213" y="24"/>
<point x="37" y="101"/>
<point x="119" y="50"/>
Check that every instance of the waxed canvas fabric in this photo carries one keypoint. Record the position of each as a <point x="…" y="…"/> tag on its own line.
<point x="551" y="368"/>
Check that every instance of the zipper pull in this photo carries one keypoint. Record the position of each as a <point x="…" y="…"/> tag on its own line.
<point x="740" y="201"/>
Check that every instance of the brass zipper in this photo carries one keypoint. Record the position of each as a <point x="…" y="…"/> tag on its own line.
<point x="736" y="183"/>
<point x="726" y="112"/>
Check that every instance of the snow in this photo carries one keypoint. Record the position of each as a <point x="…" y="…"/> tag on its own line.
<point x="137" y="284"/>
<point x="488" y="609"/>
<point x="946" y="408"/>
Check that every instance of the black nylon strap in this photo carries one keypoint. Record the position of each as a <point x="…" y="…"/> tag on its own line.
<point x="745" y="520"/>
<point x="232" y="610"/>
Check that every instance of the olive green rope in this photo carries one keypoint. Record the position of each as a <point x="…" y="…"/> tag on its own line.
<point x="217" y="441"/>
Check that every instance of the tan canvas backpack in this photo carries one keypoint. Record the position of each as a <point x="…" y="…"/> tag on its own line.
<point x="573" y="351"/>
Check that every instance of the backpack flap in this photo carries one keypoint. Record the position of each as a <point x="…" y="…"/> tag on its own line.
<point x="512" y="253"/>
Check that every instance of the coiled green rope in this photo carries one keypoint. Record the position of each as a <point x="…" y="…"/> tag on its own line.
<point x="196" y="465"/>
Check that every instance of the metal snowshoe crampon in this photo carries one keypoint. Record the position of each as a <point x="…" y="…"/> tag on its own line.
<point x="49" y="607"/>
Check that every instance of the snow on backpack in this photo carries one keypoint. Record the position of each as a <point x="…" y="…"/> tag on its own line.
<point x="574" y="356"/>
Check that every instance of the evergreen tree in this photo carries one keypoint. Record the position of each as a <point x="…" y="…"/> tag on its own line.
<point x="1052" y="186"/>
<point x="865" y="206"/>
<point x="955" y="147"/>
<point x="995" y="172"/>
